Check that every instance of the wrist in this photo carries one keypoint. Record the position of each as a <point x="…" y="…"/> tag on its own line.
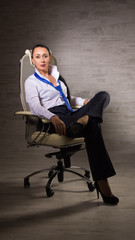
<point x="54" y="117"/>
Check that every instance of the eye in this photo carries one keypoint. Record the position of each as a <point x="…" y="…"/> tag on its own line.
<point x="45" y="56"/>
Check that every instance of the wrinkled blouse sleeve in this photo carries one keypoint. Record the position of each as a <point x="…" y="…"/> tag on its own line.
<point x="32" y="98"/>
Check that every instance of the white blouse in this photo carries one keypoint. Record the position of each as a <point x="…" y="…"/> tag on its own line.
<point x="41" y="96"/>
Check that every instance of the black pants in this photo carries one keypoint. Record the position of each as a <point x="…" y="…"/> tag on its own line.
<point x="94" y="108"/>
<point x="99" y="160"/>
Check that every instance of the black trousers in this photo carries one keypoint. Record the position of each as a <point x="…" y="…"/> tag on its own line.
<point x="99" y="160"/>
<point x="94" y="108"/>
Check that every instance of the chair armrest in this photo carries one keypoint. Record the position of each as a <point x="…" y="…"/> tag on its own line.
<point x="76" y="106"/>
<point x="23" y="113"/>
<point x="28" y="113"/>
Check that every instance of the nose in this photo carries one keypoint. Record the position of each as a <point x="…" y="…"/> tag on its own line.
<point x="42" y="59"/>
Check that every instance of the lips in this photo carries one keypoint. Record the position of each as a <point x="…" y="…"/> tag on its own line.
<point x="42" y="65"/>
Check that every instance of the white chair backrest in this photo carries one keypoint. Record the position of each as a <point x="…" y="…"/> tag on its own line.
<point x="27" y="69"/>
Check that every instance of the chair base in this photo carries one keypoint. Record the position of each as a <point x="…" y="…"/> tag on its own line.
<point x="59" y="172"/>
<point x="60" y="168"/>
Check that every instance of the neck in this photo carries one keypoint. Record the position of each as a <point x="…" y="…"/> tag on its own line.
<point x="45" y="73"/>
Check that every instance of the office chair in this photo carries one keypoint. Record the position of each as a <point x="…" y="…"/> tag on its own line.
<point x="67" y="146"/>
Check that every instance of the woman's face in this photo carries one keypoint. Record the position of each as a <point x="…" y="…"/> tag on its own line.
<point x="41" y="59"/>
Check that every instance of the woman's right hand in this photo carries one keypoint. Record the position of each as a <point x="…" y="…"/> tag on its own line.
<point x="59" y="125"/>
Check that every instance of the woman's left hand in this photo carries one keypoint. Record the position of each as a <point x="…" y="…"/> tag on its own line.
<point x="86" y="101"/>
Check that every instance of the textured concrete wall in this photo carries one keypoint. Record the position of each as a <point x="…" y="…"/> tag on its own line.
<point x="94" y="42"/>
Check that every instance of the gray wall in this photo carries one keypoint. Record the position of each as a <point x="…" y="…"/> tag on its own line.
<point x="94" y="42"/>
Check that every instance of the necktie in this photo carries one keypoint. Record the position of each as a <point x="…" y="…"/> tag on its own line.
<point x="58" y="88"/>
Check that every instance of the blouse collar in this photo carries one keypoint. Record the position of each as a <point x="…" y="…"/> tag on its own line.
<point x="54" y="72"/>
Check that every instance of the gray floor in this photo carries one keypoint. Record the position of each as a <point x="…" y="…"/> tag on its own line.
<point x="73" y="212"/>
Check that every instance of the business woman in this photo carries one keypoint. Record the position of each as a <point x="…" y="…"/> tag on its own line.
<point x="48" y="97"/>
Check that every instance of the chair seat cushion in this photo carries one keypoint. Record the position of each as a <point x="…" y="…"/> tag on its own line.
<point x="55" y="140"/>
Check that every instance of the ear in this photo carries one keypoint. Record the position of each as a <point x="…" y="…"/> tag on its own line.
<point x="32" y="61"/>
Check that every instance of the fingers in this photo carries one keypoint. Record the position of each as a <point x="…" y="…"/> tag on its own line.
<point x="86" y="101"/>
<point x="59" y="125"/>
<point x="60" y="128"/>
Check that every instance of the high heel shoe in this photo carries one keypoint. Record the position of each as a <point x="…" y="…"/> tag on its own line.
<point x="109" y="200"/>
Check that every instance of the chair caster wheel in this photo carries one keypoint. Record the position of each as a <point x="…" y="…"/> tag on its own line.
<point x="49" y="192"/>
<point x="87" y="174"/>
<point x="50" y="173"/>
<point x="91" y="187"/>
<point x="26" y="183"/>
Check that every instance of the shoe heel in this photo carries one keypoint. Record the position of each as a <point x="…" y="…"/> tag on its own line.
<point x="109" y="200"/>
<point x="97" y="190"/>
<point x="97" y="194"/>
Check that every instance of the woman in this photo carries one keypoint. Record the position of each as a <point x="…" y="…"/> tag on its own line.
<point x="48" y="97"/>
